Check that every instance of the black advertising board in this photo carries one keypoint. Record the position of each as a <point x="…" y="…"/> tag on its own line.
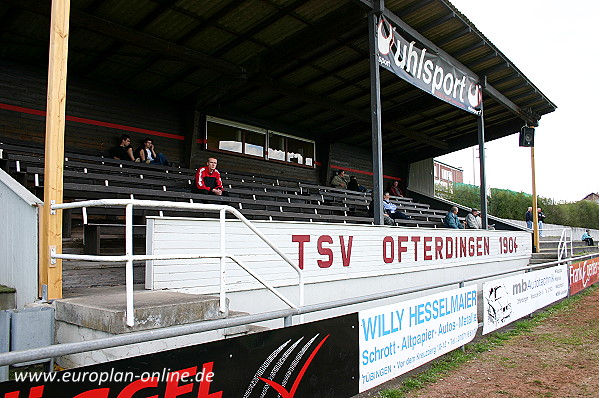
<point x="424" y="68"/>
<point x="317" y="359"/>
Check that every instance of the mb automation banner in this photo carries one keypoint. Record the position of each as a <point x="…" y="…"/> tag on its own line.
<point x="317" y="359"/>
<point x="509" y="299"/>
<point x="397" y="338"/>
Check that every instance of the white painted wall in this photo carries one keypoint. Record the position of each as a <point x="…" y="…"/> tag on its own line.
<point x="18" y="239"/>
<point x="365" y="270"/>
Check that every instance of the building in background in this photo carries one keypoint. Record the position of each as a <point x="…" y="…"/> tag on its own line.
<point x="446" y="174"/>
<point x="593" y="197"/>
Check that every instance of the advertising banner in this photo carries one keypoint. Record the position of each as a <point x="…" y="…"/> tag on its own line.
<point x="509" y="299"/>
<point x="324" y="252"/>
<point x="316" y="359"/>
<point x="423" y="68"/>
<point x="397" y="338"/>
<point x="583" y="274"/>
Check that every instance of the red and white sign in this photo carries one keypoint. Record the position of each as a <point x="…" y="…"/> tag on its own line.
<point x="583" y="274"/>
<point x="325" y="252"/>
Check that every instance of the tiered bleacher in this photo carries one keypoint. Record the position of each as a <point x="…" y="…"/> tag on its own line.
<point x="257" y="197"/>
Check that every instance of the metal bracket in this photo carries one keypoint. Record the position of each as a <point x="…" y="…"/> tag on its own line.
<point x="52" y="254"/>
<point x="45" y="293"/>
<point x="52" y="211"/>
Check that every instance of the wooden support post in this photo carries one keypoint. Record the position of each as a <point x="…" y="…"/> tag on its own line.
<point x="51" y="222"/>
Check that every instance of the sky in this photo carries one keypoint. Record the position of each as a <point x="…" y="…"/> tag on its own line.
<point x="554" y="44"/>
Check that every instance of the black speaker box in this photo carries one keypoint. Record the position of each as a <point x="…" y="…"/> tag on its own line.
<point x="527" y="136"/>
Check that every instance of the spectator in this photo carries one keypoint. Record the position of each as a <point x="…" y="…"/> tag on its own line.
<point x="391" y="211"/>
<point x="208" y="179"/>
<point x="353" y="185"/>
<point x="394" y="189"/>
<point x="541" y="220"/>
<point x="124" y="151"/>
<point x="339" y="180"/>
<point x="529" y="218"/>
<point x="587" y="238"/>
<point x="147" y="154"/>
<point x="473" y="219"/>
<point x="451" y="219"/>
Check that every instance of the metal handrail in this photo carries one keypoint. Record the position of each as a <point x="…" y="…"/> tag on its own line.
<point x="57" y="350"/>
<point x="129" y="257"/>
<point x="562" y="248"/>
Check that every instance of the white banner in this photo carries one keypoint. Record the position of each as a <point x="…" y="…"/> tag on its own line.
<point x="397" y="338"/>
<point x="508" y="299"/>
<point x="325" y="252"/>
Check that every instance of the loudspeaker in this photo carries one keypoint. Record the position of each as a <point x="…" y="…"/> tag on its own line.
<point x="527" y="136"/>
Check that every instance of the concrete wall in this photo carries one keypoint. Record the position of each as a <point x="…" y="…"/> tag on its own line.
<point x="18" y="239"/>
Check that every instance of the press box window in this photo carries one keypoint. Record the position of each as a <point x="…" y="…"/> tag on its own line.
<point x="235" y="138"/>
<point x="225" y="135"/>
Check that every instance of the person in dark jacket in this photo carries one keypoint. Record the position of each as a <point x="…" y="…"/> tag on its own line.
<point x="541" y="216"/>
<point x="451" y="219"/>
<point x="529" y="218"/>
<point x="353" y="185"/>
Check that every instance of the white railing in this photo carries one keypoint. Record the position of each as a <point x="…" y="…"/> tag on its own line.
<point x="164" y="205"/>
<point x="565" y="240"/>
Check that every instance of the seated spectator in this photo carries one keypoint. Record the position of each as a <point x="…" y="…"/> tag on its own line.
<point x="391" y="210"/>
<point x="353" y="185"/>
<point x="147" y="154"/>
<point x="124" y="151"/>
<point x="587" y="238"/>
<point x="473" y="219"/>
<point x="207" y="180"/>
<point x="451" y="219"/>
<point x="394" y="189"/>
<point x="339" y="180"/>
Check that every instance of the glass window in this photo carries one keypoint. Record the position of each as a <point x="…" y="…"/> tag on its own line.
<point x="225" y="138"/>
<point x="235" y="137"/>
<point x="300" y="152"/>
<point x="254" y="143"/>
<point x="276" y="147"/>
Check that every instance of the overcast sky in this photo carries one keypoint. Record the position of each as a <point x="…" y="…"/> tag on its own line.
<point x="554" y="43"/>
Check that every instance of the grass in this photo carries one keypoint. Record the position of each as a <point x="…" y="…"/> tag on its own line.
<point x="442" y="366"/>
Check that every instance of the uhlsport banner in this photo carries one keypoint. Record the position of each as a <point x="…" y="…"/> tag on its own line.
<point x="397" y="338"/>
<point x="413" y="62"/>
<point x="509" y="299"/>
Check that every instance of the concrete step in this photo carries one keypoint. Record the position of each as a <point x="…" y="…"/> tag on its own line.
<point x="152" y="310"/>
<point x="241" y="330"/>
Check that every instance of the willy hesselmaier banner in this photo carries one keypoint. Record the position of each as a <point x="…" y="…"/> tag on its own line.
<point x="397" y="338"/>
<point x="413" y="62"/>
<point x="318" y="359"/>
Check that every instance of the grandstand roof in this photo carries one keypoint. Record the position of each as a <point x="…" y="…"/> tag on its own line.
<point x="298" y="65"/>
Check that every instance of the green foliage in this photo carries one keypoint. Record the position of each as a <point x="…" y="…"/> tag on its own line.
<point x="508" y="204"/>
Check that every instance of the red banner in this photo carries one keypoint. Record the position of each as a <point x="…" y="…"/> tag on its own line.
<point x="583" y="275"/>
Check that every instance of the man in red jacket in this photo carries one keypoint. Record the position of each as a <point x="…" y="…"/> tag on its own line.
<point x="208" y="179"/>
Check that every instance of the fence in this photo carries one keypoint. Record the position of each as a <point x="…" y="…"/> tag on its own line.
<point x="174" y="331"/>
